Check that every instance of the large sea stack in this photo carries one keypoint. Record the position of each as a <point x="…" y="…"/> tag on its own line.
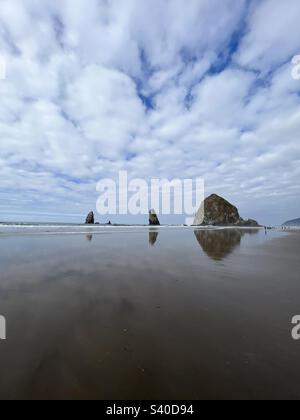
<point x="216" y="211"/>
<point x="90" y="220"/>
<point x="153" y="219"/>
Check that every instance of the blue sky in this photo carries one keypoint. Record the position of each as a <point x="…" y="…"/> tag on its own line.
<point x="160" y="88"/>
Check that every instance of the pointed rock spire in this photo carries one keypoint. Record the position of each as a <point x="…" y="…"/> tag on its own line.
<point x="153" y="219"/>
<point x="90" y="220"/>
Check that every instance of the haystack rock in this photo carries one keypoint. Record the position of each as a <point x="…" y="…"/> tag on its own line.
<point x="90" y="220"/>
<point x="216" y="211"/>
<point x="153" y="219"/>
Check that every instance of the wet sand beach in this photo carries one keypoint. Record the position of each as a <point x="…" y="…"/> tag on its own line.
<point x="139" y="313"/>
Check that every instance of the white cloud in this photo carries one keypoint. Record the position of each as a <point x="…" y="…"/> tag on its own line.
<point x="167" y="89"/>
<point x="273" y="35"/>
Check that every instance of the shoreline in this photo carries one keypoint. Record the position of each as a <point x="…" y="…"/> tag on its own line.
<point x="48" y="229"/>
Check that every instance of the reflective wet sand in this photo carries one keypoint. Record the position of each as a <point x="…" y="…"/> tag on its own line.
<point x="150" y="314"/>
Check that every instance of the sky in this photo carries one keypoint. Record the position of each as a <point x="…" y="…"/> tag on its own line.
<point x="158" y="88"/>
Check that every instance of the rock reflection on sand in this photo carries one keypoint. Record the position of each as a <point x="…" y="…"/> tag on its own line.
<point x="153" y="235"/>
<point x="218" y="244"/>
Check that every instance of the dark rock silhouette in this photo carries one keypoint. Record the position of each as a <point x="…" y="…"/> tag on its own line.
<point x="90" y="220"/>
<point x="247" y="223"/>
<point x="153" y="219"/>
<point x="216" y="211"/>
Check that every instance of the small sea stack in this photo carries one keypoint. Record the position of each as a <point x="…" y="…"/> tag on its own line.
<point x="153" y="219"/>
<point x="90" y="220"/>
